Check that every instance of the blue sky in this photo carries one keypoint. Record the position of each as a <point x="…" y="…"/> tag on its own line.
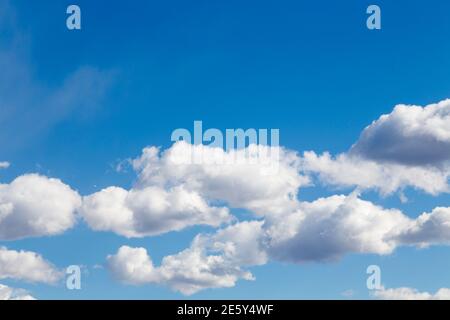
<point x="310" y="68"/>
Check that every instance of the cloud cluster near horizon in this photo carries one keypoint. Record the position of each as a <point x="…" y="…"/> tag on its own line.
<point x="405" y="293"/>
<point x="171" y="196"/>
<point x="8" y="293"/>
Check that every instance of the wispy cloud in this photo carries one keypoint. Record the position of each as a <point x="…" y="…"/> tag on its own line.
<point x="28" y="108"/>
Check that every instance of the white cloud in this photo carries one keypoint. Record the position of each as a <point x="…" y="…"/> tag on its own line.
<point x="212" y="261"/>
<point x="248" y="178"/>
<point x="184" y="186"/>
<point x="174" y="192"/>
<point x="410" y="135"/>
<point x="4" y="165"/>
<point x="411" y="294"/>
<point x="320" y="231"/>
<point x="27" y="266"/>
<point x="328" y="228"/>
<point x="8" y="293"/>
<point x="409" y="147"/>
<point x="293" y="231"/>
<point x="149" y="211"/>
<point x="34" y="205"/>
<point x="346" y="170"/>
<point x="348" y="293"/>
<point x="428" y="228"/>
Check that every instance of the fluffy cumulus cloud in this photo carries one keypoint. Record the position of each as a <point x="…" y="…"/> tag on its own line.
<point x="319" y="231"/>
<point x="149" y="211"/>
<point x="409" y="147"/>
<point x="428" y="228"/>
<point x="8" y="293"/>
<point x="329" y="228"/>
<point x="179" y="187"/>
<point x="263" y="179"/>
<point x="34" y="205"/>
<point x="27" y="266"/>
<point x="188" y="185"/>
<point x="346" y="170"/>
<point x="406" y="293"/>
<point x="212" y="261"/>
<point x="4" y="164"/>
<point x="410" y="135"/>
<point x="292" y="230"/>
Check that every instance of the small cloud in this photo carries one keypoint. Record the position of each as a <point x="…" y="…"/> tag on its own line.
<point x="406" y="293"/>
<point x="403" y="198"/>
<point x="4" y="165"/>
<point x="122" y="166"/>
<point x="7" y="293"/>
<point x="348" y="293"/>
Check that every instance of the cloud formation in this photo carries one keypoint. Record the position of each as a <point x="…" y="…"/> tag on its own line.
<point x="8" y="293"/>
<point x="212" y="261"/>
<point x="409" y="135"/>
<point x="149" y="211"/>
<point x="34" y="205"/>
<point x="174" y="191"/>
<point x="250" y="178"/>
<point x="297" y="231"/>
<point x="428" y="228"/>
<point x="405" y="293"/>
<point x="410" y="147"/>
<point x="4" y="164"/>
<point x="189" y="185"/>
<point x="346" y="171"/>
<point x="27" y="266"/>
<point x="320" y="231"/>
<point x="328" y="228"/>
